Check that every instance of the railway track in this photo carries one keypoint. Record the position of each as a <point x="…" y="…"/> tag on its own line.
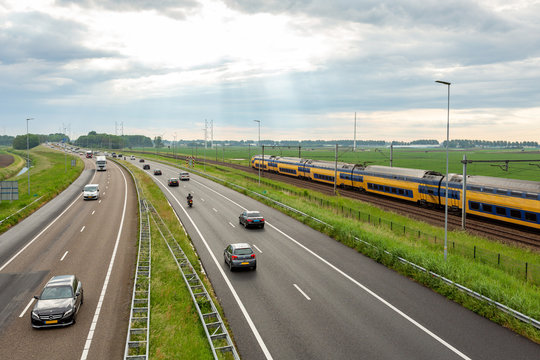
<point x="479" y="226"/>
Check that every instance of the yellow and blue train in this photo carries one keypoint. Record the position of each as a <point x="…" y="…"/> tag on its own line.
<point x="508" y="200"/>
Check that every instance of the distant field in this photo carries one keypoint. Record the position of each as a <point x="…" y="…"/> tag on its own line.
<point x="430" y="159"/>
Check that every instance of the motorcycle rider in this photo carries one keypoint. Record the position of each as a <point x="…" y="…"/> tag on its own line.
<point x="189" y="197"/>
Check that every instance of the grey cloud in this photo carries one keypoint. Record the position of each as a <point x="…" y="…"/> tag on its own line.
<point x="455" y="14"/>
<point x="177" y="9"/>
<point x="37" y="36"/>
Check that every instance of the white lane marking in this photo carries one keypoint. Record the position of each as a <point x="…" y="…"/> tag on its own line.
<point x="301" y="292"/>
<point x="230" y="223"/>
<point x="42" y="231"/>
<point x="104" y="193"/>
<point x="63" y="257"/>
<point x="259" y="250"/>
<point x="214" y="209"/>
<point x="107" y="277"/>
<point x="99" y="202"/>
<point x="202" y="199"/>
<point x="227" y="281"/>
<point x="93" y="212"/>
<point x="365" y="288"/>
<point x="26" y="308"/>
<point x="82" y="229"/>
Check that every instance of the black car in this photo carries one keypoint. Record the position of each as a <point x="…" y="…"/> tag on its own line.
<point x="157" y="172"/>
<point x="240" y="255"/>
<point x="146" y="167"/>
<point x="141" y="160"/>
<point x="58" y="303"/>
<point x="251" y="218"/>
<point x="173" y="182"/>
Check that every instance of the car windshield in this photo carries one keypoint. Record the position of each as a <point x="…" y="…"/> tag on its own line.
<point x="90" y="188"/>
<point x="173" y="180"/>
<point x="56" y="292"/>
<point x="254" y="214"/>
<point x="246" y="251"/>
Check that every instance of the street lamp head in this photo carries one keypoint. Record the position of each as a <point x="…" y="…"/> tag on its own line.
<point x="257" y="121"/>
<point x="442" y="82"/>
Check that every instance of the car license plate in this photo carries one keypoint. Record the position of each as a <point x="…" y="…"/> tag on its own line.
<point x="245" y="263"/>
<point x="51" y="322"/>
<point x="256" y="220"/>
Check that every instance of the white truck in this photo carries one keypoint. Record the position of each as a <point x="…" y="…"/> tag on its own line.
<point x="101" y="163"/>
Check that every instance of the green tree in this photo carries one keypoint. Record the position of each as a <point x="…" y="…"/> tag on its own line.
<point x="19" y="142"/>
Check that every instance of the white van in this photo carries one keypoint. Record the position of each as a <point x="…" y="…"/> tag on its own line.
<point x="91" y="191"/>
<point x="184" y="175"/>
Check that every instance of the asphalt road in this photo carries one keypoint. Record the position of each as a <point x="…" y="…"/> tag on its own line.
<point x="313" y="298"/>
<point x="95" y="240"/>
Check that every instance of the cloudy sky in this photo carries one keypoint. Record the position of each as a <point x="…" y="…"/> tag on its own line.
<point x="301" y="67"/>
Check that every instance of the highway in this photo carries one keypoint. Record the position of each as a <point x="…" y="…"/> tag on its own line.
<point x="314" y="298"/>
<point x="94" y="240"/>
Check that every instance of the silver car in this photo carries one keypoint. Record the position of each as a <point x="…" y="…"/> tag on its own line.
<point x="240" y="255"/>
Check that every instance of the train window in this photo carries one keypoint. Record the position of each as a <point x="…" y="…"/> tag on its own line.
<point x="531" y="196"/>
<point x="502" y="191"/>
<point x="387" y="189"/>
<point x="488" y="189"/>
<point x="516" y="214"/>
<point x="475" y="188"/>
<point x="529" y="216"/>
<point x="430" y="191"/>
<point x="500" y="210"/>
<point x="516" y="193"/>
<point x="401" y="192"/>
<point x="487" y="208"/>
<point x="474" y="205"/>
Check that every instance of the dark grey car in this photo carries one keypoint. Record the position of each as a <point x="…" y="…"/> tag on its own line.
<point x="58" y="303"/>
<point x="240" y="255"/>
<point x="251" y="218"/>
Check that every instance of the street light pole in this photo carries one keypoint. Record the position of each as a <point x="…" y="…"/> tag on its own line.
<point x="446" y="192"/>
<point x="28" y="153"/>
<point x="259" y="122"/>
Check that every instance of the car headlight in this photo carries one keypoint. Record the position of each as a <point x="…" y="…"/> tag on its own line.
<point x="35" y="315"/>
<point x="67" y="313"/>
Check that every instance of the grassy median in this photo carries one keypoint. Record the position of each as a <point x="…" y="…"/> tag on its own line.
<point x="50" y="174"/>
<point x="175" y="329"/>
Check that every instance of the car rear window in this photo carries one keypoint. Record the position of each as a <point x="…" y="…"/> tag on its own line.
<point x="243" y="251"/>
<point x="56" y="292"/>
<point x="254" y="213"/>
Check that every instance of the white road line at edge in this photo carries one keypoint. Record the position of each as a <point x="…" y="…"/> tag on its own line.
<point x="26" y="308"/>
<point x="106" y="282"/>
<point x="259" y="250"/>
<point x="42" y="231"/>
<point x="365" y="288"/>
<point x="63" y="257"/>
<point x="227" y="281"/>
<point x="230" y="223"/>
<point x="301" y="292"/>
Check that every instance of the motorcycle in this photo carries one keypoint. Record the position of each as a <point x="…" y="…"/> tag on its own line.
<point x="190" y="202"/>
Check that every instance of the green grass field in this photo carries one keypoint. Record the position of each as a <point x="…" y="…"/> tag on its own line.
<point x="48" y="177"/>
<point x="416" y="158"/>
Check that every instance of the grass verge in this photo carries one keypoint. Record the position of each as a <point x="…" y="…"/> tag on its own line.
<point x="13" y="168"/>
<point x="485" y="278"/>
<point x="48" y="177"/>
<point x="176" y="331"/>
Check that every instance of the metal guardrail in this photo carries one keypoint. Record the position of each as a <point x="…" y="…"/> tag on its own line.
<point x="216" y="332"/>
<point x="138" y="335"/>
<point x="516" y="314"/>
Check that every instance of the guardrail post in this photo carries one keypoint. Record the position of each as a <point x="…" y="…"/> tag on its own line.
<point x="526" y="270"/>
<point x="474" y="253"/>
